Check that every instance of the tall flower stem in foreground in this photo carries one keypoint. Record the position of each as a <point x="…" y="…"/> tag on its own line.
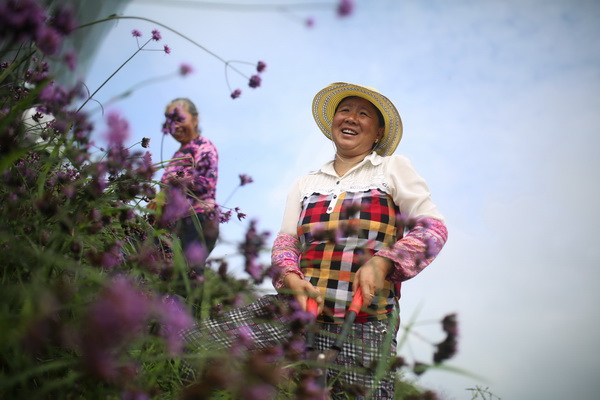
<point x="155" y="37"/>
<point x="117" y="17"/>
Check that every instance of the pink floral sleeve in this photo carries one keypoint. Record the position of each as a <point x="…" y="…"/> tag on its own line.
<point x="416" y="250"/>
<point x="285" y="258"/>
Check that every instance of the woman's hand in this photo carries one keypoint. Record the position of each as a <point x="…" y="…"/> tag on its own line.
<point x="370" y="277"/>
<point x="302" y="290"/>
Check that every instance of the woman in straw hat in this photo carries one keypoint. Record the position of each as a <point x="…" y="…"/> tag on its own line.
<point x="364" y="220"/>
<point x="381" y="226"/>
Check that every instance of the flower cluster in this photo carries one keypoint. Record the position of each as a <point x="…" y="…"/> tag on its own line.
<point x="250" y="248"/>
<point x="254" y="81"/>
<point x="446" y="349"/>
<point x="120" y="315"/>
<point x="24" y="20"/>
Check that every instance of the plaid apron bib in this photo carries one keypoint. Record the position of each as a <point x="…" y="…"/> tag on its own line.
<point x="338" y="234"/>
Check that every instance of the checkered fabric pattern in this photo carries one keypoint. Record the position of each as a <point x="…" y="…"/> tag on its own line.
<point x="356" y="362"/>
<point x="264" y="327"/>
<point x="353" y="366"/>
<point x="338" y="235"/>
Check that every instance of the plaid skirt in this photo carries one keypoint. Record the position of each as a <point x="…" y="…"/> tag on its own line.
<point x="354" y="366"/>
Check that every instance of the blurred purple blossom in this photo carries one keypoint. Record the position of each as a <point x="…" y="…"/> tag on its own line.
<point x="118" y="129"/>
<point x="21" y="19"/>
<point x="156" y="35"/>
<point x="48" y="40"/>
<point x="263" y="391"/>
<point x="261" y="66"/>
<point x="240" y="215"/>
<point x="177" y="206"/>
<point x="63" y="20"/>
<point x="173" y="318"/>
<point x="136" y="33"/>
<point x="253" y="243"/>
<point x="26" y="19"/>
<point x="117" y="316"/>
<point x="130" y="394"/>
<point x="70" y="60"/>
<point x="112" y="257"/>
<point x="196" y="253"/>
<point x="185" y="69"/>
<point x="167" y="49"/>
<point x="345" y="8"/>
<point x="310" y="22"/>
<point x="224" y="216"/>
<point x="255" y="81"/>
<point x="245" y="179"/>
<point x="236" y="93"/>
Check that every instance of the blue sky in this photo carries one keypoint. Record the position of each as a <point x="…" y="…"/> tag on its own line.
<point x="499" y="100"/>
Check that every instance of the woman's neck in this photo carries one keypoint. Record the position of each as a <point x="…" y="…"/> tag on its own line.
<point x="342" y="164"/>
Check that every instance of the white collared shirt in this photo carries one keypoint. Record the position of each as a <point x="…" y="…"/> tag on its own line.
<point x="393" y="175"/>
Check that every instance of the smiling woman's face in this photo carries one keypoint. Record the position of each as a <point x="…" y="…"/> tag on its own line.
<point x="355" y="127"/>
<point x="187" y="130"/>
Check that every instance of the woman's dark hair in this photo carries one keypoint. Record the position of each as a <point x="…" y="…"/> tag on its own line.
<point x="379" y="114"/>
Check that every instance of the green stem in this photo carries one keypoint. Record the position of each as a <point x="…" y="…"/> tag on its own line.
<point x="114" y="16"/>
<point x="113" y="74"/>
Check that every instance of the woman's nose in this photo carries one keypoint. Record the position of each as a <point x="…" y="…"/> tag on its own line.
<point x="351" y="117"/>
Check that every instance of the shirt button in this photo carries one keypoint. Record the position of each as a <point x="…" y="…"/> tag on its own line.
<point x="335" y="196"/>
<point x="337" y="183"/>
<point x="330" y="208"/>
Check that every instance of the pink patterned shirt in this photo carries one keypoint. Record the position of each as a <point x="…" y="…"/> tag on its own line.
<point x="195" y="166"/>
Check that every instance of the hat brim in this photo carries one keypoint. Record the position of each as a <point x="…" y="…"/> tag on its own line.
<point x="327" y="100"/>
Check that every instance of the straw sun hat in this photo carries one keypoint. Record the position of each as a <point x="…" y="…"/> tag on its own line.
<point x="327" y="100"/>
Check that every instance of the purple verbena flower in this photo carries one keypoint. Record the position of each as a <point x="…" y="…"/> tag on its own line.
<point x="118" y="129"/>
<point x="310" y="22"/>
<point x="167" y="49"/>
<point x="245" y="179"/>
<point x="242" y="342"/>
<point x="173" y="318"/>
<point x="195" y="253"/>
<point x="345" y="8"/>
<point x="185" y="69"/>
<point x="240" y="215"/>
<point x="116" y="317"/>
<point x="236" y="93"/>
<point x="48" y="40"/>
<point x="21" y="19"/>
<point x="224" y="216"/>
<point x="63" y="20"/>
<point x="261" y="66"/>
<point x="113" y="257"/>
<point x="136" y="33"/>
<point x="258" y="392"/>
<point x="177" y="206"/>
<point x="156" y="35"/>
<point x="70" y="60"/>
<point x="255" y="81"/>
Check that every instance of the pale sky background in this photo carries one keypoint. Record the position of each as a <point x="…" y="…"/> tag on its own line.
<point x="500" y="101"/>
